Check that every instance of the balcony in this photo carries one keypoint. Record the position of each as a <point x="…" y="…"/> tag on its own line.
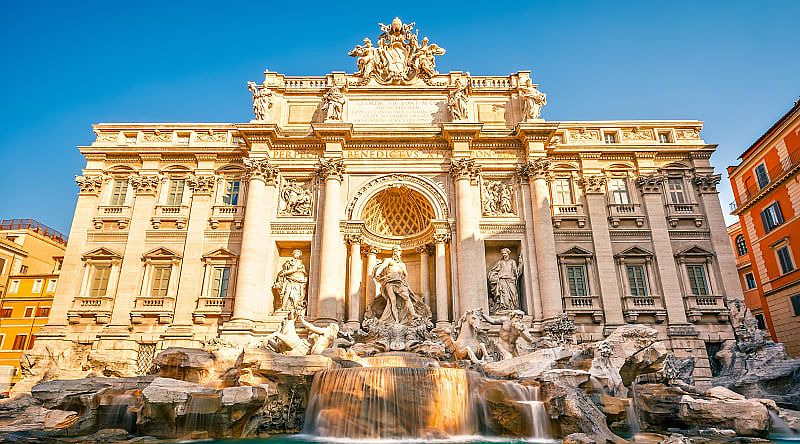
<point x="635" y="306"/>
<point x="619" y="212"/>
<point x="119" y="214"/>
<point x="584" y="305"/>
<point x="569" y="212"/>
<point x="776" y="175"/>
<point x="212" y="307"/>
<point x="85" y="307"/>
<point x="179" y="214"/>
<point x="162" y="308"/>
<point x="226" y="213"/>
<point x="699" y="305"/>
<point x="677" y="212"/>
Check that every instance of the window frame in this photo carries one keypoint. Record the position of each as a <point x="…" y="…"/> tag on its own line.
<point x="229" y="197"/>
<point x="558" y="193"/>
<point x="176" y="191"/>
<point x="645" y="285"/>
<point x="794" y="301"/>
<point x="584" y="281"/>
<point x="119" y="192"/>
<point x="748" y="278"/>
<point x="24" y="338"/>
<point x="762" y="167"/>
<point x="612" y="135"/>
<point x="786" y="259"/>
<point x="614" y="192"/>
<point x="37" y="285"/>
<point x="94" y="291"/>
<point x="673" y="193"/>
<point x="772" y="217"/>
<point x="52" y="284"/>
<point x="741" y="245"/>
<point x="692" y="280"/>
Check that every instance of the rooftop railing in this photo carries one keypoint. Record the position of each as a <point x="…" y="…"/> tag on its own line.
<point x="773" y="174"/>
<point x="35" y="226"/>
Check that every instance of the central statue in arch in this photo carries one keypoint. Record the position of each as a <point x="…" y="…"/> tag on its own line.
<point x="396" y="302"/>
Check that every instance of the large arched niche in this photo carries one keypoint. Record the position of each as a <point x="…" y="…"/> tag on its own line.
<point x="429" y="190"/>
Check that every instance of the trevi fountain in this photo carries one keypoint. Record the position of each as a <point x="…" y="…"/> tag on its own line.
<point x="515" y="290"/>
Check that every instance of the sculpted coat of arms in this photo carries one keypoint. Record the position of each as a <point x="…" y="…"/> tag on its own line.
<point x="400" y="56"/>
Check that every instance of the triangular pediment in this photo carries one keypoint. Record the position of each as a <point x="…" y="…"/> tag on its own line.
<point x="577" y="251"/>
<point x="695" y="251"/>
<point x="161" y="253"/>
<point x="220" y="253"/>
<point x="634" y="251"/>
<point x="101" y="253"/>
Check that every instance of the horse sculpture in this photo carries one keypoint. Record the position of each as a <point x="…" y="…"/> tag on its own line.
<point x="467" y="343"/>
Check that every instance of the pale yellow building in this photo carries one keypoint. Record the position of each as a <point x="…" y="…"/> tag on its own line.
<point x="181" y="228"/>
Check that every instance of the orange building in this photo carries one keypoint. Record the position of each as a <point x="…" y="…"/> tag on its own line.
<point x="747" y="276"/>
<point x="767" y="191"/>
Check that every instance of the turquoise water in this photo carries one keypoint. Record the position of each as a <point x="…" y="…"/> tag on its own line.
<point x="307" y="439"/>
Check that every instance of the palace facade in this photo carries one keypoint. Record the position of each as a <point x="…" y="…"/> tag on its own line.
<point x="180" y="229"/>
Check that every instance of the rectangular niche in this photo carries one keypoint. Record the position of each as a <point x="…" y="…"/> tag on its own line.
<point x="493" y="255"/>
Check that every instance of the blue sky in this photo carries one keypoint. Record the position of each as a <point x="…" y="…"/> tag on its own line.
<point x="733" y="64"/>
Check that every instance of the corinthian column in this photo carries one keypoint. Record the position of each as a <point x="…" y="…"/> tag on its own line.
<point x="442" y="317"/>
<point x="356" y="272"/>
<point x="253" y="297"/>
<point x="538" y="172"/>
<point x="330" y="303"/>
<point x="372" y="260"/>
<point x="463" y="172"/>
<point x="424" y="274"/>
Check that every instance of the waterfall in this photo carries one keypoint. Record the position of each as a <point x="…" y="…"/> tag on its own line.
<point x="780" y="429"/>
<point x="633" y="418"/>
<point x="529" y="396"/>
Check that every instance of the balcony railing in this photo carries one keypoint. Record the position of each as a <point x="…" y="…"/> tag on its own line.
<point x="171" y="213"/>
<point x="678" y="211"/>
<point x="161" y="307"/>
<point x="212" y="307"/>
<point x="88" y="306"/>
<point x="712" y="304"/>
<point x="618" y="212"/>
<point x="226" y="213"/>
<point x="584" y="305"/>
<point x="774" y="174"/>
<point x="635" y="306"/>
<point x="562" y="212"/>
<point x="121" y="214"/>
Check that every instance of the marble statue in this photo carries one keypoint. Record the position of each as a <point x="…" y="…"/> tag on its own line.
<point x="321" y="337"/>
<point x="503" y="277"/>
<point x="399" y="57"/>
<point x="511" y="329"/>
<point x="560" y="329"/>
<point x="333" y="103"/>
<point x="532" y="100"/>
<point x="291" y="282"/>
<point x="396" y="303"/>
<point x="457" y="100"/>
<point x="285" y="340"/>
<point x="262" y="99"/>
<point x="469" y="341"/>
<point x="497" y="198"/>
<point x="295" y="199"/>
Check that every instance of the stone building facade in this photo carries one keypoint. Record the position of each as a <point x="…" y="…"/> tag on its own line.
<point x="181" y="229"/>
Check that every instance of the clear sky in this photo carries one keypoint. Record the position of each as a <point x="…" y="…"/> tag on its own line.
<point x="66" y="65"/>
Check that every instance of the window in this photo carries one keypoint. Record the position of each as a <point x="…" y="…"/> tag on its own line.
<point x="741" y="245"/>
<point x="51" y="286"/>
<point x="219" y="282"/>
<point x="637" y="280"/>
<point x="619" y="191"/>
<point x="23" y="269"/>
<point x="119" y="192"/>
<point x="663" y="137"/>
<point x="750" y="281"/>
<point x="610" y="137"/>
<point x="183" y="138"/>
<point x="675" y="188"/>
<point x="2" y="265"/>
<point x="771" y="217"/>
<point x="37" y="286"/>
<point x="761" y="176"/>
<point x="697" y="280"/>
<point x="14" y="287"/>
<point x="100" y="281"/>
<point x="130" y="138"/>
<point x="42" y="312"/>
<point x="28" y="312"/>
<point x="6" y="312"/>
<point x="175" y="194"/>
<point x="19" y="342"/>
<point x="231" y="195"/>
<point x="785" y="259"/>
<point x="562" y="191"/>
<point x="160" y="283"/>
<point x="762" y="325"/>
<point x="576" y="280"/>
<point x="795" y="304"/>
<point x="59" y="262"/>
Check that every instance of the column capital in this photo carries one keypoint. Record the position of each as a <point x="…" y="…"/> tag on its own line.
<point x="464" y="169"/>
<point x="594" y="183"/>
<point x="261" y="169"/>
<point x="651" y="183"/>
<point x="90" y="184"/>
<point x="534" y="169"/>
<point x="423" y="249"/>
<point x="331" y="169"/>
<point x="706" y="183"/>
<point x="441" y="238"/>
<point x="203" y="184"/>
<point x="353" y="239"/>
<point x="145" y="184"/>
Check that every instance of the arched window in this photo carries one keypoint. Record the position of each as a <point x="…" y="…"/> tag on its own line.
<point x="741" y="245"/>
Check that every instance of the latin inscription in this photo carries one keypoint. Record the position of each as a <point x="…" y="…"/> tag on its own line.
<point x="387" y="112"/>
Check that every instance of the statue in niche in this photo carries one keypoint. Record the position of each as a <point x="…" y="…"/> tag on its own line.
<point x="295" y="199"/>
<point x="291" y="282"/>
<point x="321" y="337"/>
<point x="286" y="341"/>
<point x="532" y="100"/>
<point x="503" y="278"/>
<point x="396" y="303"/>
<point x="511" y="329"/>
<point x="262" y="99"/>
<point x="457" y="100"/>
<point x="333" y="104"/>
<point x="497" y="198"/>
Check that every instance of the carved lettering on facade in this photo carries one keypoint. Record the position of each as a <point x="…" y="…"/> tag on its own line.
<point x="397" y="111"/>
<point x="393" y="154"/>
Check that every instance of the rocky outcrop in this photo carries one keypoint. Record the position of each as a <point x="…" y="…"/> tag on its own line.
<point x="219" y="367"/>
<point x="531" y="365"/>
<point x="571" y="411"/>
<point x="630" y="351"/>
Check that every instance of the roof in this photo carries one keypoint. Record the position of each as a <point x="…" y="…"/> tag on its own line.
<point x="34" y="226"/>
<point x="772" y="129"/>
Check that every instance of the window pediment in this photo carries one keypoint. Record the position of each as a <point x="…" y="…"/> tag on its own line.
<point x="634" y="252"/>
<point x="695" y="251"/>
<point x="577" y="252"/>
<point x="100" y="254"/>
<point x="220" y="255"/>
<point x="160" y="253"/>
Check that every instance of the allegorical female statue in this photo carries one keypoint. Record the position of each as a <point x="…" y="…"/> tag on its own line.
<point x="291" y="282"/>
<point x="503" y="277"/>
<point x="396" y="302"/>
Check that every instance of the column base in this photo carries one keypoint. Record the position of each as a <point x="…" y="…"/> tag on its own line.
<point x="353" y="325"/>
